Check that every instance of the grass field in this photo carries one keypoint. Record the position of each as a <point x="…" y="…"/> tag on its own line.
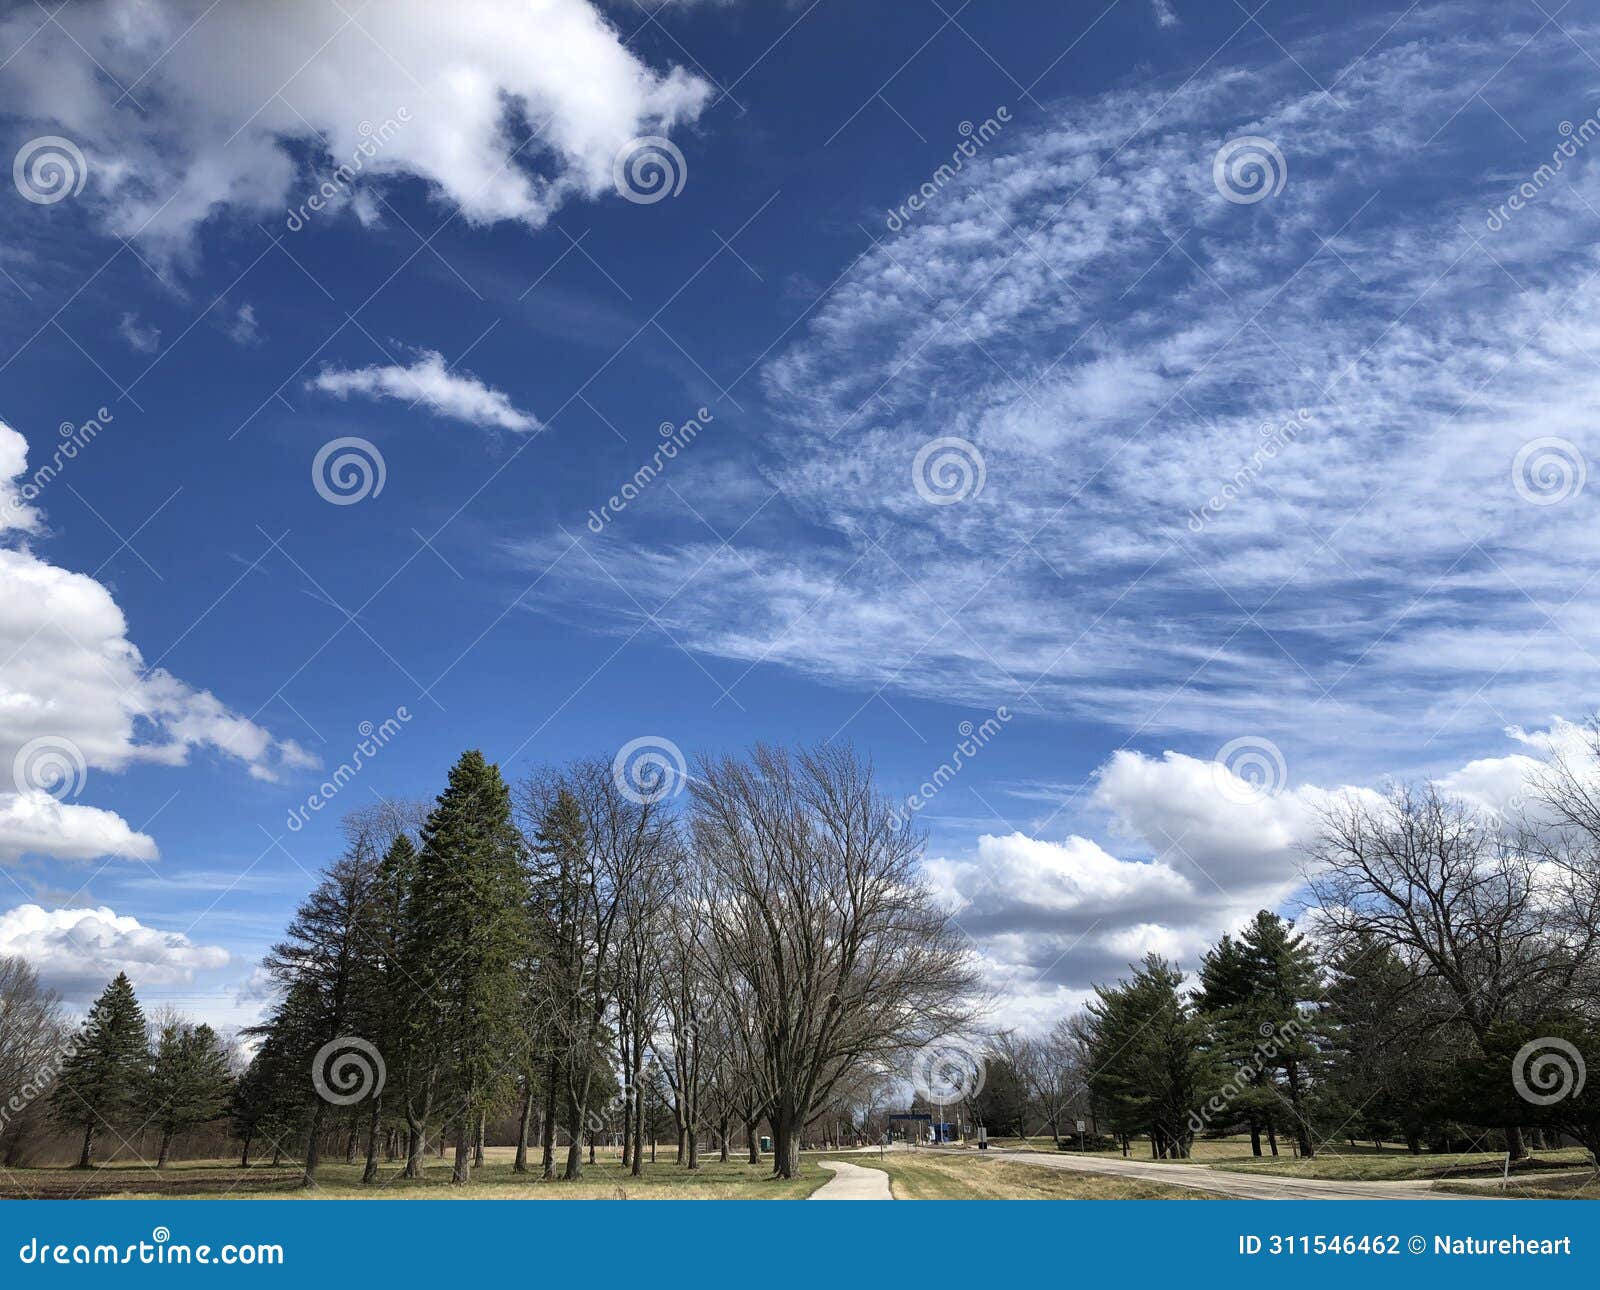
<point x="973" y="1177"/>
<point x="604" y="1180"/>
<point x="1338" y="1162"/>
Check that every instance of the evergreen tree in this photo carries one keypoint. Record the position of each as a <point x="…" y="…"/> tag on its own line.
<point x="188" y="1083"/>
<point x="102" y="1079"/>
<point x="1150" y="1065"/>
<point x="1227" y="988"/>
<point x="465" y="935"/>
<point x="1285" y="1003"/>
<point x="322" y="967"/>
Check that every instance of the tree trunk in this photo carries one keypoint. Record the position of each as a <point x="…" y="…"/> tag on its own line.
<point x="751" y="1144"/>
<point x="638" y="1130"/>
<point x="166" y="1149"/>
<point x="308" y="1171"/>
<point x="1255" y="1135"/>
<point x="244" y="1154"/>
<point x="548" y="1137"/>
<point x="374" y="1131"/>
<point x="574" y="1169"/>
<point x="461" y="1170"/>
<point x="87" y="1153"/>
<point x="1514" y="1145"/>
<point x="477" y="1139"/>
<point x="1272" y="1135"/>
<point x="415" y="1146"/>
<point x="722" y="1137"/>
<point x="524" y="1123"/>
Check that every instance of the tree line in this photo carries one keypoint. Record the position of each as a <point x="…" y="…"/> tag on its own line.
<point x="1442" y="992"/>
<point x="569" y="955"/>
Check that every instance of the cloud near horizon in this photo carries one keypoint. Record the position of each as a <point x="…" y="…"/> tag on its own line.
<point x="77" y="696"/>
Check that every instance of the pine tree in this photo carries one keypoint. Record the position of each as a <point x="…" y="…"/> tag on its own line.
<point x="102" y="1079"/>
<point x="1286" y="1004"/>
<point x="466" y="933"/>
<point x="1224" y="999"/>
<point x="1150" y="1066"/>
<point x="188" y="1083"/>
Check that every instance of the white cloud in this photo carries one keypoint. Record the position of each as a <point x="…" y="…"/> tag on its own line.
<point x="76" y="951"/>
<point x="1165" y="15"/>
<point x="1378" y="579"/>
<point x="34" y="823"/>
<point x="1052" y="919"/>
<point x="74" y="684"/>
<point x="458" y="395"/>
<point x="244" y="329"/>
<point x="511" y="106"/>
<point x="144" y="340"/>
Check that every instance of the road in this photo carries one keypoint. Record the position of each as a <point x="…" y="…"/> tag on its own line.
<point x="1240" y="1185"/>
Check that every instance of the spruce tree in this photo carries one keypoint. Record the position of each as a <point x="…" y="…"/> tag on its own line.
<point x="103" y="1078"/>
<point x="188" y="1083"/>
<point x="465" y="935"/>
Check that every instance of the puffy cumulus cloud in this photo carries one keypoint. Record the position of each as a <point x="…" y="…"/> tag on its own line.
<point x="510" y="107"/>
<point x="76" y="951"/>
<point x="76" y="695"/>
<point x="1206" y="850"/>
<point x="34" y="823"/>
<point x="457" y="395"/>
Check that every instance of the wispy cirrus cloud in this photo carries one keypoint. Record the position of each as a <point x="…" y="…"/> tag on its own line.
<point x="1248" y="464"/>
<point x="459" y="396"/>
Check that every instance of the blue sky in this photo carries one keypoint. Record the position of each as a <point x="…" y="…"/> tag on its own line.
<point x="1281" y="461"/>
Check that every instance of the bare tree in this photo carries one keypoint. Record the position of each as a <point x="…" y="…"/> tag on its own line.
<point x="821" y="916"/>
<point x="1461" y="895"/>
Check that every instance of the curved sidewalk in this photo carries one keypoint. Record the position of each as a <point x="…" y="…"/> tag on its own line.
<point x="852" y="1182"/>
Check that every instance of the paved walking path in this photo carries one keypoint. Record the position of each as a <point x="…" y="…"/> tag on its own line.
<point x="1226" y="1183"/>
<point x="852" y="1182"/>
